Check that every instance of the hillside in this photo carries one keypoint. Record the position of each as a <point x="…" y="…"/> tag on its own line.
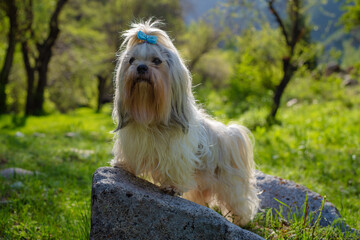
<point x="323" y="16"/>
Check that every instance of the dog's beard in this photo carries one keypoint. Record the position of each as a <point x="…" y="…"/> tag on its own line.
<point x="146" y="97"/>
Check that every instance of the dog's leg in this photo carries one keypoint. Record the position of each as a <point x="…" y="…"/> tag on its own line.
<point x="200" y="197"/>
<point x="238" y="197"/>
<point x="171" y="191"/>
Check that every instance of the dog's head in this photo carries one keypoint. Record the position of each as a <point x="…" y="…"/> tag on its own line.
<point x="153" y="86"/>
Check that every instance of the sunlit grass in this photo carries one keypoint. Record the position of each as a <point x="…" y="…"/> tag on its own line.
<point x="65" y="150"/>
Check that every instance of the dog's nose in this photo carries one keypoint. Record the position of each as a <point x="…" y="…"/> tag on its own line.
<point x="142" y="69"/>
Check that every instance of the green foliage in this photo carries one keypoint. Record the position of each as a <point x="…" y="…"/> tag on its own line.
<point x="351" y="17"/>
<point x="199" y="39"/>
<point x="257" y="70"/>
<point x="17" y="95"/>
<point x="41" y="18"/>
<point x="214" y="69"/>
<point x="351" y="54"/>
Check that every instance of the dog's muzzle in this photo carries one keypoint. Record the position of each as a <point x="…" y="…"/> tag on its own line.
<point x="142" y="69"/>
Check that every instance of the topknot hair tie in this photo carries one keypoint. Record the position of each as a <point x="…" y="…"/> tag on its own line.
<point x="147" y="38"/>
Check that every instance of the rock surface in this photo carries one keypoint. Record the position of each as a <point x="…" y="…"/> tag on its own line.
<point x="126" y="207"/>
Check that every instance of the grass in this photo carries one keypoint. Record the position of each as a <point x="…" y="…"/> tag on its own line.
<point x="54" y="204"/>
<point x="317" y="145"/>
<point x="273" y="225"/>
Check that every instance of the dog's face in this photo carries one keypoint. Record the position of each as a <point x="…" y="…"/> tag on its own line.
<point x="146" y="93"/>
<point x="153" y="86"/>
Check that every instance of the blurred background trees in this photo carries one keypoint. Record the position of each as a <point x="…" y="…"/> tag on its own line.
<point x="59" y="55"/>
<point x="351" y="16"/>
<point x="10" y="11"/>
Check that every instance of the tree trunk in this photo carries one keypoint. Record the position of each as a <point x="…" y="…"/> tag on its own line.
<point x="42" y="69"/>
<point x="101" y="89"/>
<point x="292" y="37"/>
<point x="30" y="79"/>
<point x="288" y="73"/>
<point x="5" y="71"/>
<point x="35" y="98"/>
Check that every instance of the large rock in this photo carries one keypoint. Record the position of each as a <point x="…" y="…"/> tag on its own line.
<point x="126" y="207"/>
<point x="294" y="196"/>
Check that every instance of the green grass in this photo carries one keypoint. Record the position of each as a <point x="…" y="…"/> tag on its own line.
<point x="54" y="204"/>
<point x="273" y="225"/>
<point x="316" y="144"/>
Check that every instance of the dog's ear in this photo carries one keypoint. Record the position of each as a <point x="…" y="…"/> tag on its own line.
<point x="120" y="116"/>
<point x="182" y="98"/>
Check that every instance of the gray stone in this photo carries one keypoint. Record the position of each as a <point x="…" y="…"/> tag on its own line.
<point x="126" y="207"/>
<point x="17" y="185"/>
<point x="349" y="81"/>
<point x="39" y="135"/>
<point x="331" y="68"/>
<point x="5" y="202"/>
<point x="82" y="152"/>
<point x="291" y="102"/>
<point x="71" y="134"/>
<point x="12" y="172"/>
<point x="294" y="195"/>
<point x="19" y="135"/>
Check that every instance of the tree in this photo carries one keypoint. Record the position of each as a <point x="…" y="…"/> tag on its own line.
<point x="37" y="72"/>
<point x="351" y="17"/>
<point x="11" y="11"/>
<point x="294" y="38"/>
<point x="292" y="32"/>
<point x="199" y="40"/>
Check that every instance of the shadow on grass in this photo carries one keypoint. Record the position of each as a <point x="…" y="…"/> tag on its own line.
<point x="15" y="121"/>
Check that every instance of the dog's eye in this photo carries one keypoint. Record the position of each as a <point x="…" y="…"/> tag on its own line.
<point x="131" y="60"/>
<point x="156" y="61"/>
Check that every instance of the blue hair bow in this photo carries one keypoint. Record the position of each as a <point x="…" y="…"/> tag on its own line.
<point x="147" y="38"/>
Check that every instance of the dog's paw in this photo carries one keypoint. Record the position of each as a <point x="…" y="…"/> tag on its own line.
<point x="171" y="191"/>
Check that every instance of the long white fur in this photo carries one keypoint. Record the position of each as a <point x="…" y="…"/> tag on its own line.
<point x="181" y="147"/>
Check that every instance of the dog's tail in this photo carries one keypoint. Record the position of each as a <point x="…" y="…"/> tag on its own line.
<point x="243" y="157"/>
<point x="237" y="186"/>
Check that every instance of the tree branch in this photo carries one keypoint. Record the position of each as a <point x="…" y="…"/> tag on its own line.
<point x="11" y="12"/>
<point x="279" y="21"/>
<point x="54" y="26"/>
<point x="295" y="30"/>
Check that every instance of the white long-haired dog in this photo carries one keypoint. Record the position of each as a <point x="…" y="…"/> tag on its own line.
<point x="163" y="134"/>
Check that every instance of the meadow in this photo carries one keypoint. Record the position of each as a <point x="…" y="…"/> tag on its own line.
<point x="315" y="143"/>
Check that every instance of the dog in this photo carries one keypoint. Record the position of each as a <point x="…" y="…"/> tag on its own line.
<point x="163" y="134"/>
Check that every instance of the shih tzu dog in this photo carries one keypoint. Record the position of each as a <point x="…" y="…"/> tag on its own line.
<point x="161" y="132"/>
